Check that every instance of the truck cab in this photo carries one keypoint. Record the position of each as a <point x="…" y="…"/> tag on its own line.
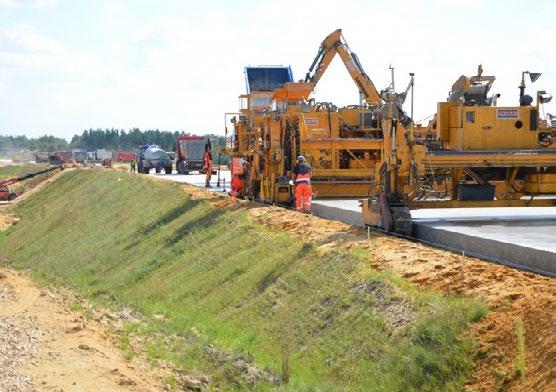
<point x="189" y="153"/>
<point x="6" y="194"/>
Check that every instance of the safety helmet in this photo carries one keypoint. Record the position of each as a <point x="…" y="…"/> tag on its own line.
<point x="300" y="159"/>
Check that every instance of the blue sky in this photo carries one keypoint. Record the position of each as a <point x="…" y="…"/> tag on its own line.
<point x="67" y="65"/>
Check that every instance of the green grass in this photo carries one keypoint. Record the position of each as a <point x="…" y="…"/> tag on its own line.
<point x="7" y="172"/>
<point x="211" y="281"/>
<point x="10" y="171"/>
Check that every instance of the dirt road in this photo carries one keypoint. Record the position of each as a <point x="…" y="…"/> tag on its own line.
<point x="44" y="346"/>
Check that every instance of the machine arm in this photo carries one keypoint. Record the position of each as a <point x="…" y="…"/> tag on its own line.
<point x="26" y="176"/>
<point x="331" y="45"/>
<point x="9" y="182"/>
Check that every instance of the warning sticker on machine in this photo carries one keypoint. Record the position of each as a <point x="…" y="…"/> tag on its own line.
<point x="503" y="114"/>
<point x="311" y="121"/>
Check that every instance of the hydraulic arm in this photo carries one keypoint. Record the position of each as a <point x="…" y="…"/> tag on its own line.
<point x="336" y="44"/>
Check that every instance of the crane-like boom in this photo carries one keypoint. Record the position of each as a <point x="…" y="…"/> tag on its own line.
<point x="332" y="44"/>
<point x="6" y="194"/>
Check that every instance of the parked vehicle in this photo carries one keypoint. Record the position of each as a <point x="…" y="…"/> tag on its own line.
<point x="60" y="157"/>
<point x="124" y="156"/>
<point x="41" y="156"/>
<point x="151" y="156"/>
<point x="189" y="153"/>
<point x="6" y="191"/>
<point x="102" y="154"/>
<point x="79" y="156"/>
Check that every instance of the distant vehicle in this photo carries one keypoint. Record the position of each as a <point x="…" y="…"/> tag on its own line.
<point x="150" y="156"/>
<point x="189" y="153"/>
<point x="79" y="156"/>
<point x="102" y="154"/>
<point x="125" y="156"/>
<point x="6" y="191"/>
<point x="60" y="157"/>
<point x="41" y="156"/>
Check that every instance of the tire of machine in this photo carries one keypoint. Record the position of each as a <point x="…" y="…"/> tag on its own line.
<point x="402" y="220"/>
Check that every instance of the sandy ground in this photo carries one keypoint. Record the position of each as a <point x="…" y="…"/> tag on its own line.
<point x="511" y="295"/>
<point x="44" y="346"/>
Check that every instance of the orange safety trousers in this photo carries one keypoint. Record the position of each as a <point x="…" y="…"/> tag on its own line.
<point x="303" y="193"/>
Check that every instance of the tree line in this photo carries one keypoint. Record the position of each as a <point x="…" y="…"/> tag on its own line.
<point x="110" y="139"/>
<point x="43" y="143"/>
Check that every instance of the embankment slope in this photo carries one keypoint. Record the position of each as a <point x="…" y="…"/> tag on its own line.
<point x="225" y="297"/>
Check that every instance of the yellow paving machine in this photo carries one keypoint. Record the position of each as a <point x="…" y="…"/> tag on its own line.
<point x="278" y="121"/>
<point x="483" y="155"/>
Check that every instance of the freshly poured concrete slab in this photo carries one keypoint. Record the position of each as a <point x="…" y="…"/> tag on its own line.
<point x="523" y="237"/>
<point x="343" y="210"/>
<point x="199" y="180"/>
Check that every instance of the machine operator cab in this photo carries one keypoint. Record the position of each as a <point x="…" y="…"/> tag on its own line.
<point x="260" y="83"/>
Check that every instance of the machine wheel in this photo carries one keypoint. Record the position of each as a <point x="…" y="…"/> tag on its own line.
<point x="168" y="170"/>
<point x="402" y="220"/>
<point x="11" y="196"/>
<point x="186" y="172"/>
<point x="157" y="170"/>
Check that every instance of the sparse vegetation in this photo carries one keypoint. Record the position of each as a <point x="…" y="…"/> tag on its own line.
<point x="520" y="360"/>
<point x="17" y="170"/>
<point x="221" y="294"/>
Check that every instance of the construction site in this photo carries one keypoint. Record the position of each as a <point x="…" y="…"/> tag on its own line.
<point x="339" y="248"/>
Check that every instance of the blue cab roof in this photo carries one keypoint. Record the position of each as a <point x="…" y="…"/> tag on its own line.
<point x="267" y="78"/>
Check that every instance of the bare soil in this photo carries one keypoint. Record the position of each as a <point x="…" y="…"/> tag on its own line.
<point x="44" y="346"/>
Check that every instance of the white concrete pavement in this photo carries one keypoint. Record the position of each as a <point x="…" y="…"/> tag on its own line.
<point x="523" y="237"/>
<point x="199" y="180"/>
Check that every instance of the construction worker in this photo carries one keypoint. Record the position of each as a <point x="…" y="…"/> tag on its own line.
<point x="237" y="185"/>
<point x="302" y="180"/>
<point x="207" y="164"/>
<point x="132" y="166"/>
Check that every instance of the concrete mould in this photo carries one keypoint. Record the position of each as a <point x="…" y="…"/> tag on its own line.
<point x="522" y="238"/>
<point x="471" y="242"/>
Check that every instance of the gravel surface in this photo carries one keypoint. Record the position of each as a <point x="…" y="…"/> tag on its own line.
<point x="18" y="338"/>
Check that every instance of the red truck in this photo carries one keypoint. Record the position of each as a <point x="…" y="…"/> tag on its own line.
<point x="59" y="157"/>
<point x="125" y="156"/>
<point x="189" y="153"/>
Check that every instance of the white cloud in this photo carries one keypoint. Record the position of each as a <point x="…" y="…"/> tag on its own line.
<point x="182" y="69"/>
<point x="28" y="3"/>
<point x="114" y="7"/>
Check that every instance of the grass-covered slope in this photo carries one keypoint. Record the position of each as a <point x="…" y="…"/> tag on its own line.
<point x="223" y="283"/>
<point x="10" y="171"/>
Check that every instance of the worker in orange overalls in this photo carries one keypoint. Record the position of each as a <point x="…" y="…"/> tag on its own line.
<point x="207" y="164"/>
<point x="237" y="185"/>
<point x="302" y="179"/>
